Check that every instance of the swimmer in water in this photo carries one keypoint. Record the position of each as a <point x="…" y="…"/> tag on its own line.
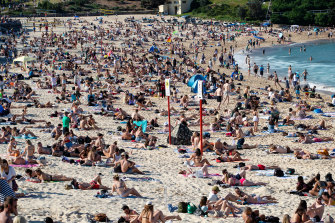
<point x="311" y="58"/>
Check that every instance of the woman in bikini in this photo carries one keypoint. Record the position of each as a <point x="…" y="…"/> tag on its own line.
<point x="197" y="159"/>
<point x="301" y="213"/>
<point x="121" y="189"/>
<point x="149" y="216"/>
<point x="260" y="167"/>
<point x="47" y="177"/>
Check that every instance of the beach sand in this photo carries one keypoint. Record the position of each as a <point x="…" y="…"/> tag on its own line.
<point x="51" y="199"/>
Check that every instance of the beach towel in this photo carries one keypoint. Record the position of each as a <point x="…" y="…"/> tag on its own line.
<point x="25" y="166"/>
<point x="270" y="173"/>
<point x="143" y="124"/>
<point x="140" y="179"/>
<point x="25" y="137"/>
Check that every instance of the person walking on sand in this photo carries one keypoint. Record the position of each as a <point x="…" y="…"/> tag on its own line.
<point x="226" y="91"/>
<point x="276" y="79"/>
<point x="218" y="95"/>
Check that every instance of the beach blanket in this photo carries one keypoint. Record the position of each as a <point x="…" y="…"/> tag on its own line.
<point x="25" y="137"/>
<point x="140" y="179"/>
<point x="270" y="173"/>
<point x="25" y="166"/>
<point x="143" y="124"/>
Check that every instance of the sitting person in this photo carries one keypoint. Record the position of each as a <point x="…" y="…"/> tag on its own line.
<point x="126" y="166"/>
<point x="149" y="216"/>
<point x="316" y="209"/>
<point x="121" y="189"/>
<point x="43" y="150"/>
<point x="197" y="159"/>
<point x="250" y="216"/>
<point x="130" y="215"/>
<point x="94" y="184"/>
<point x="44" y="177"/>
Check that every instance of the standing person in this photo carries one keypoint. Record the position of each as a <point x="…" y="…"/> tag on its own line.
<point x="276" y="80"/>
<point x="10" y="207"/>
<point x="261" y="70"/>
<point x="287" y="83"/>
<point x="305" y="73"/>
<point x="255" y="69"/>
<point x="218" y="94"/>
<point x="66" y="123"/>
<point x="289" y="74"/>
<point x="268" y="69"/>
<point x="226" y="91"/>
<point x="255" y="119"/>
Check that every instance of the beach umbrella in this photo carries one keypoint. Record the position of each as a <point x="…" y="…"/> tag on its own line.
<point x="24" y="59"/>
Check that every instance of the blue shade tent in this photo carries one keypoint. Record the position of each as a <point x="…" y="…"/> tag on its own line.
<point x="259" y="37"/>
<point x="195" y="87"/>
<point x="154" y="49"/>
<point x="194" y="78"/>
<point x="266" y="24"/>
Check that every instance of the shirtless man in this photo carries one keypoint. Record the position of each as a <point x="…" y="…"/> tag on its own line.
<point x="56" y="132"/>
<point x="43" y="150"/>
<point x="218" y="147"/>
<point x="111" y="150"/>
<point x="218" y="94"/>
<point x="126" y="135"/>
<point x="130" y="215"/>
<point x="136" y="116"/>
<point x="99" y="142"/>
<point x="316" y="210"/>
<point x="10" y="207"/>
<point x="226" y="91"/>
<point x="126" y="165"/>
<point x="94" y="184"/>
<point x="44" y="177"/>
<point x="239" y="137"/>
<point x="29" y="151"/>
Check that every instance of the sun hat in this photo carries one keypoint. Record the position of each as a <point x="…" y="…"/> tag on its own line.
<point x="148" y="203"/>
<point x="215" y="188"/>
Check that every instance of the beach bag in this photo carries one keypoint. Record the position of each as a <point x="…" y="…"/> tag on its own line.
<point x="117" y="169"/>
<point x="182" y="207"/>
<point x="290" y="171"/>
<point x="278" y="173"/>
<point x="101" y="217"/>
<point x="271" y="219"/>
<point x="191" y="208"/>
<point x="323" y="152"/>
<point x="122" y="220"/>
<point x="15" y="187"/>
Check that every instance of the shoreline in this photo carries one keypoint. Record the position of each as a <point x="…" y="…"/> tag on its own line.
<point x="242" y="53"/>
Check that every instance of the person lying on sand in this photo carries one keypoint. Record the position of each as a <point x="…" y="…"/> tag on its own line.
<point x="44" y="177"/>
<point x="201" y="172"/>
<point x="121" y="189"/>
<point x="93" y="185"/>
<point x="226" y="158"/>
<point x="244" y="198"/>
<point x="259" y="167"/>
<point x="279" y="149"/>
<point x="302" y="154"/>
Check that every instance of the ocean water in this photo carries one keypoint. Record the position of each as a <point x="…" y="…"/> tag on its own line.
<point x="321" y="70"/>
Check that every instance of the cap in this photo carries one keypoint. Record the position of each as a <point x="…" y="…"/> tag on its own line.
<point x="218" y="140"/>
<point x="166" y="123"/>
<point x="149" y="203"/>
<point x="215" y="188"/>
<point x="123" y="154"/>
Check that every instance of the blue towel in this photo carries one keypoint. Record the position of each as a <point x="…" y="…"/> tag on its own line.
<point x="143" y="123"/>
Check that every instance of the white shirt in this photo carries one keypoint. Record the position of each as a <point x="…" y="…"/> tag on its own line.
<point x="213" y="197"/>
<point x="333" y="101"/>
<point x="11" y="173"/>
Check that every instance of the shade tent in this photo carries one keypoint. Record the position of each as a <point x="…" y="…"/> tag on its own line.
<point x="181" y="135"/>
<point x="261" y="38"/>
<point x="194" y="78"/>
<point x="24" y="59"/>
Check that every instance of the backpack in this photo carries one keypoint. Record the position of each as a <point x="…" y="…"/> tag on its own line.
<point x="101" y="217"/>
<point x="191" y="208"/>
<point x="182" y="207"/>
<point x="117" y="169"/>
<point x="290" y="171"/>
<point x="278" y="173"/>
